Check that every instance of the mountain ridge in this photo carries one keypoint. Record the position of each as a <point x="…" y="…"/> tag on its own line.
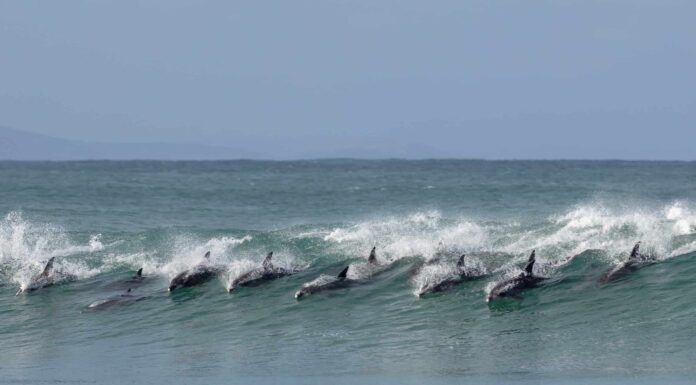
<point x="24" y="145"/>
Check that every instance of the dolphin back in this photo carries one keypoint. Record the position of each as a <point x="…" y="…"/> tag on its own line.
<point x="635" y="252"/>
<point x="268" y="262"/>
<point x="530" y="263"/>
<point x="344" y="273"/>
<point x="47" y="270"/>
<point x="460" y="262"/>
<point x="373" y="256"/>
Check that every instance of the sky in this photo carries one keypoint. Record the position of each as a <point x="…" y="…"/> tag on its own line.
<point x="610" y="79"/>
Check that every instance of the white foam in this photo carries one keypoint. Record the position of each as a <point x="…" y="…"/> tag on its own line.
<point x="684" y="218"/>
<point x="414" y="235"/>
<point x="188" y="252"/>
<point x="23" y="240"/>
<point x="321" y="280"/>
<point x="430" y="275"/>
<point x="666" y="231"/>
<point x="590" y="226"/>
<point x="26" y="247"/>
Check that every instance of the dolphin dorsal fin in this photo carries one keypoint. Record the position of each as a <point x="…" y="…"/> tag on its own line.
<point x="139" y="273"/>
<point x="267" y="264"/>
<point x="460" y="262"/>
<point x="344" y="272"/>
<point x="49" y="267"/>
<point x="634" y="252"/>
<point x="373" y="256"/>
<point x="530" y="263"/>
<point x="207" y="255"/>
<point x="129" y="290"/>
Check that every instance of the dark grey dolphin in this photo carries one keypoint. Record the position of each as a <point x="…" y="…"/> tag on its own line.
<point x="121" y="299"/>
<point x="324" y="282"/>
<point x="46" y="278"/>
<point x="135" y="280"/>
<point x="200" y="274"/>
<point x="635" y="261"/>
<point x="327" y="282"/>
<point x="266" y="272"/>
<point x="373" y="256"/>
<point x="459" y="276"/>
<point x="513" y="286"/>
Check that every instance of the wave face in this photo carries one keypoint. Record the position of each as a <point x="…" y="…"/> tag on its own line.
<point x="104" y="220"/>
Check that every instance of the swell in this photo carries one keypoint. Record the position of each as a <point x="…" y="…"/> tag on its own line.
<point x="496" y="247"/>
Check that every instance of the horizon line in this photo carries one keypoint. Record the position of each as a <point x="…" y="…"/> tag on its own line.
<point x="350" y="159"/>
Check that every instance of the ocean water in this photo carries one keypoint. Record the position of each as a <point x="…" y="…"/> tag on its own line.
<point x="104" y="220"/>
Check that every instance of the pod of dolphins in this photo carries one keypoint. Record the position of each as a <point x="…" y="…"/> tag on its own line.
<point x="205" y="271"/>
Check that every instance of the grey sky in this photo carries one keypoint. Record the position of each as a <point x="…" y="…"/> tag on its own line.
<point x="482" y="79"/>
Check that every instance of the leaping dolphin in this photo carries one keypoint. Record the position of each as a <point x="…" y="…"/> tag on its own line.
<point x="200" y="274"/>
<point x="266" y="272"/>
<point x="635" y="261"/>
<point x="47" y="278"/>
<point x="513" y="286"/>
<point x="455" y="277"/>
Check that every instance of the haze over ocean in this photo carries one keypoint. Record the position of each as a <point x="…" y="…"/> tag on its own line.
<point x="550" y="79"/>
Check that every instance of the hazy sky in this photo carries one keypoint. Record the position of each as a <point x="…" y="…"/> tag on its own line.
<point x="473" y="79"/>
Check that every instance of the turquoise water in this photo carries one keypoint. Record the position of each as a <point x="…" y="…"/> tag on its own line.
<point x="104" y="220"/>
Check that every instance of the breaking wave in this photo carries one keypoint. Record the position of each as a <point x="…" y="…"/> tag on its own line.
<point x="494" y="246"/>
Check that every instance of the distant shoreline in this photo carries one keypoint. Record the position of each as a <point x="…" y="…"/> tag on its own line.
<point x="299" y="160"/>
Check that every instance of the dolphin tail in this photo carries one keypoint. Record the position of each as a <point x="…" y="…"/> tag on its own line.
<point x="267" y="264"/>
<point x="634" y="252"/>
<point x="460" y="262"/>
<point x="207" y="255"/>
<point x="373" y="256"/>
<point x="139" y="273"/>
<point x="49" y="267"/>
<point x="530" y="263"/>
<point x="344" y="272"/>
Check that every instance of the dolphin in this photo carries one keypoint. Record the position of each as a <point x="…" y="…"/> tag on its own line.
<point x="453" y="278"/>
<point x="266" y="272"/>
<point x="635" y="261"/>
<point x="121" y="299"/>
<point x="198" y="275"/>
<point x="137" y="278"/>
<point x="47" y="277"/>
<point x="373" y="256"/>
<point x="421" y="265"/>
<point x="327" y="282"/>
<point x="134" y="280"/>
<point x="324" y="282"/>
<point x="441" y="253"/>
<point x="513" y="286"/>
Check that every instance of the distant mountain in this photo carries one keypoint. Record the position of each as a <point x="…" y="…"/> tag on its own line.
<point x="23" y="145"/>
